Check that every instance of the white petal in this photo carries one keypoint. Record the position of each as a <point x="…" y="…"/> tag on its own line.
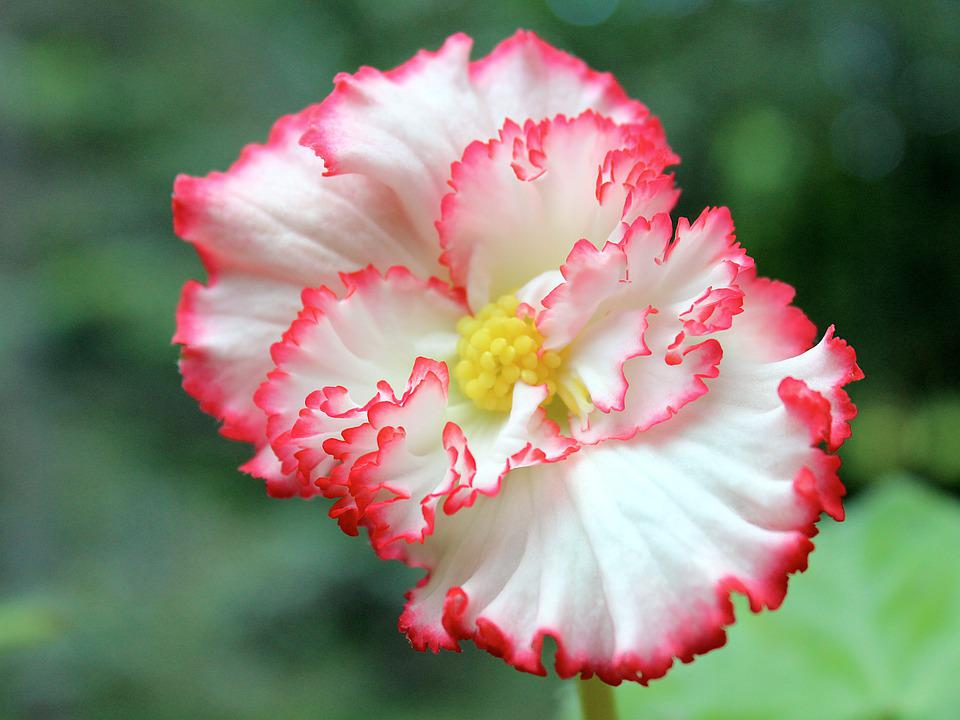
<point x="552" y="183"/>
<point x="267" y="228"/>
<point x="633" y="316"/>
<point x="406" y="126"/>
<point x="365" y="342"/>
<point x="626" y="552"/>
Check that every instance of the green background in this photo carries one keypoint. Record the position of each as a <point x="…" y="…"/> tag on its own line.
<point x="141" y="576"/>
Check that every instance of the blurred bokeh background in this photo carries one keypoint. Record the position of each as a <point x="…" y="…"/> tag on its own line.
<point x="142" y="577"/>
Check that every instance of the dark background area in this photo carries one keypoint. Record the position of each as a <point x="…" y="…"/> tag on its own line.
<point x="141" y="576"/>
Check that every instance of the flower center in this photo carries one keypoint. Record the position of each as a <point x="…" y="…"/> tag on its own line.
<point x="496" y="349"/>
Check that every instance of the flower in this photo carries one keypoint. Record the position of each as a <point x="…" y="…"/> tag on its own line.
<point x="450" y="297"/>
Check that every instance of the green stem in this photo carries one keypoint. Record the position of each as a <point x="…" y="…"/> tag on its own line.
<point x="596" y="700"/>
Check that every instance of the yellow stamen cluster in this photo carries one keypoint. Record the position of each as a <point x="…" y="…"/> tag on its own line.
<point x="497" y="349"/>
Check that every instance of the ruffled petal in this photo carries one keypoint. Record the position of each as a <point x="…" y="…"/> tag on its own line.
<point x="405" y="460"/>
<point x="265" y="229"/>
<point x="226" y="329"/>
<point x="407" y="125"/>
<point x="819" y="373"/>
<point x="552" y="183"/>
<point x="356" y="349"/>
<point x="635" y="317"/>
<point x="626" y="553"/>
<point x="497" y="444"/>
<point x="525" y="77"/>
<point x="419" y="450"/>
<point x="770" y="327"/>
<point x="326" y="415"/>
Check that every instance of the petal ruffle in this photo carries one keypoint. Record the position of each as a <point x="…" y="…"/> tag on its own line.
<point x="770" y="327"/>
<point x="626" y="553"/>
<point x="525" y="77"/>
<point x="405" y="460"/>
<point x="355" y="349"/>
<point x="265" y="229"/>
<point x="419" y="450"/>
<point x="636" y="317"/>
<point x="553" y="183"/>
<point x="407" y="125"/>
<point x="226" y="329"/>
<point x="497" y="444"/>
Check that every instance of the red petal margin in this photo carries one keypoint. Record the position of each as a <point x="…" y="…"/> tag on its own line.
<point x="706" y="635"/>
<point x="200" y="376"/>
<point x="325" y="143"/>
<point x="826" y="414"/>
<point x="526" y="44"/>
<point x="769" y="304"/>
<point x="198" y="372"/>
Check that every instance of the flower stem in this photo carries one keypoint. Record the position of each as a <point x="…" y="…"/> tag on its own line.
<point x="596" y="700"/>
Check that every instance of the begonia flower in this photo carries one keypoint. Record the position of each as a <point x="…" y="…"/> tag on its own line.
<point x="450" y="298"/>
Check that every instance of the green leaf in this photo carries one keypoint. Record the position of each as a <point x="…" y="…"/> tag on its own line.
<point x="870" y="632"/>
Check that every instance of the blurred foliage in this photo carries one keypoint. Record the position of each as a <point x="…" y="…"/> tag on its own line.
<point x="25" y="623"/>
<point x="141" y="577"/>
<point x="924" y="438"/>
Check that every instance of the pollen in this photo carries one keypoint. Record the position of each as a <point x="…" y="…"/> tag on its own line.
<point x="496" y="349"/>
